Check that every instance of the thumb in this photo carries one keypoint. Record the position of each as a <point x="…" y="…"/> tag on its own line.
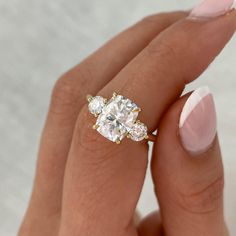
<point x="187" y="168"/>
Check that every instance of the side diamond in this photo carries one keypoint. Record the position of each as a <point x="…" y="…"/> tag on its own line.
<point x="138" y="132"/>
<point x="96" y="105"/>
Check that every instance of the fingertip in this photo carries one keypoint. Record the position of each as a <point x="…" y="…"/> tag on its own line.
<point x="188" y="188"/>
<point x="197" y="125"/>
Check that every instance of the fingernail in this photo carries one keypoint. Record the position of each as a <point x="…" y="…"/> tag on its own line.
<point x="211" y="8"/>
<point x="197" y="123"/>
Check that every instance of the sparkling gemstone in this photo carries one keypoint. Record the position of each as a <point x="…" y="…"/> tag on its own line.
<point x="117" y="118"/>
<point x="96" y="105"/>
<point x="138" y="131"/>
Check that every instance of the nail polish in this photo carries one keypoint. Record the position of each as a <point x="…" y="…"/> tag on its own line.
<point x="211" y="8"/>
<point x="197" y="125"/>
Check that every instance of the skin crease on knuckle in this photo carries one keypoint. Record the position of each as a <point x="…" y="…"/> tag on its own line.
<point x="165" y="53"/>
<point x="207" y="199"/>
<point x="162" y="49"/>
<point x="204" y="195"/>
<point x="69" y="90"/>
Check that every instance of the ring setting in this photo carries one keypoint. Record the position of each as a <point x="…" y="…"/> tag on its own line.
<point x="117" y="118"/>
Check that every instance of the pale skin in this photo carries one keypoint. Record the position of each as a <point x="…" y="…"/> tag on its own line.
<point x="87" y="185"/>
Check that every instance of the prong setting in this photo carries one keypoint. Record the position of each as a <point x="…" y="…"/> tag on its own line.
<point x="118" y="141"/>
<point x="114" y="95"/>
<point x="137" y="110"/>
<point x="89" y="98"/>
<point x="95" y="126"/>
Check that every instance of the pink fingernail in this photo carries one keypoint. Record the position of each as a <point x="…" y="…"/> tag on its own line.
<point x="197" y="123"/>
<point x="211" y="8"/>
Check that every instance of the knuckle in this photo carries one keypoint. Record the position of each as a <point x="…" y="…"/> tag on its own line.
<point x="169" y="58"/>
<point x="164" y="50"/>
<point x="70" y="89"/>
<point x="204" y="199"/>
<point x="63" y="92"/>
<point x="66" y="95"/>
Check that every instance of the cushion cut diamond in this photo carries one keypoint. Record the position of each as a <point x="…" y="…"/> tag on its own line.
<point x="117" y="118"/>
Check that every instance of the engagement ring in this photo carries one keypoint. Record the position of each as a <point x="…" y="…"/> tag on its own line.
<point x="117" y="118"/>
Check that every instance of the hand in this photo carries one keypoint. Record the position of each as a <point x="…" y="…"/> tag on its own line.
<point x="87" y="185"/>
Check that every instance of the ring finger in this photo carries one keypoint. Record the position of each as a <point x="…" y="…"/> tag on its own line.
<point x="102" y="178"/>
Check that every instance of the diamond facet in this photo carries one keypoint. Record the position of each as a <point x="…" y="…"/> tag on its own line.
<point x="117" y="118"/>
<point x="138" y="131"/>
<point x="96" y="105"/>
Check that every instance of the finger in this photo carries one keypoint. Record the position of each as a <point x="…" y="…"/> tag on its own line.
<point x="150" y="81"/>
<point x="187" y="168"/>
<point x="151" y="225"/>
<point x="161" y="71"/>
<point x="67" y="99"/>
<point x="136" y="218"/>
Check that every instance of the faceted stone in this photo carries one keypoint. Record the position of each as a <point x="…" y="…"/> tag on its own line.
<point x="117" y="118"/>
<point x="96" y="105"/>
<point x="138" y="131"/>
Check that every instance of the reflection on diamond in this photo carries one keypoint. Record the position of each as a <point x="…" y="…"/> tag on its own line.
<point x="138" y="132"/>
<point x="117" y="118"/>
<point x="96" y="105"/>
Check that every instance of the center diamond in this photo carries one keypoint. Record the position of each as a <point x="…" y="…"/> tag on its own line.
<point x="117" y="118"/>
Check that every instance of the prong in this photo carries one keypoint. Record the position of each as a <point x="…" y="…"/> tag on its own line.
<point x="128" y="136"/>
<point x="137" y="109"/>
<point x="117" y="141"/>
<point x="138" y="121"/>
<point x="146" y="137"/>
<point x="89" y="98"/>
<point x="95" y="126"/>
<point x="105" y="100"/>
<point x="114" y="95"/>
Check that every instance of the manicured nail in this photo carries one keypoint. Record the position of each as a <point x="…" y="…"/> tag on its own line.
<point x="211" y="8"/>
<point x="197" y="123"/>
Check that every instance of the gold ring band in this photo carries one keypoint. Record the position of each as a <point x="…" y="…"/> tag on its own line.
<point x="151" y="138"/>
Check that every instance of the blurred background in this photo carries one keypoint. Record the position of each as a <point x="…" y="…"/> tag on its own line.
<point x="39" y="40"/>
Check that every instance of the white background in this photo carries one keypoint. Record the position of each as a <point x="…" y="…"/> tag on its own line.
<point x="39" y="40"/>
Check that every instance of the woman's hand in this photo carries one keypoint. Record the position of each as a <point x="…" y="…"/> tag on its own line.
<point x="87" y="185"/>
